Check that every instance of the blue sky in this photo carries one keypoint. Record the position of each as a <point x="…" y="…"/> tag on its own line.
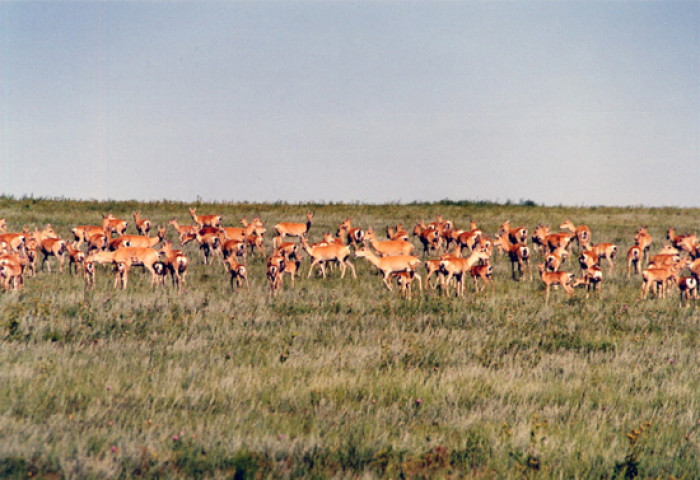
<point x="574" y="103"/>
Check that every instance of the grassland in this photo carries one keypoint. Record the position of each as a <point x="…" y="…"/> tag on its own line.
<point x="341" y="378"/>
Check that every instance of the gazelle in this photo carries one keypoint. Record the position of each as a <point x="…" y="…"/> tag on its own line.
<point x="183" y="230"/>
<point x="688" y="287"/>
<point x="16" y="241"/>
<point x="457" y="267"/>
<point x="483" y="272"/>
<point x="12" y="276"/>
<point x="592" y="279"/>
<point x="582" y="233"/>
<point x="140" y="240"/>
<point x="328" y="253"/>
<point x="299" y="230"/>
<point x="111" y="225"/>
<point x="607" y="251"/>
<point x="287" y="266"/>
<point x="397" y="233"/>
<point x="238" y="272"/>
<point x="52" y="247"/>
<point x="176" y="263"/>
<point x="121" y="274"/>
<point x="274" y="277"/>
<point x="635" y="255"/>
<point x="658" y="278"/>
<point x="429" y="237"/>
<point x="205" y="220"/>
<point x="555" y="278"/>
<point x="388" y="247"/>
<point x="643" y="240"/>
<point x="681" y="242"/>
<point x="76" y="257"/>
<point x="84" y="232"/>
<point x="89" y="272"/>
<point x="143" y="225"/>
<point x="553" y="260"/>
<point x="389" y="265"/>
<point x="539" y="235"/>
<point x="404" y="280"/>
<point x="137" y="256"/>
<point x="353" y="235"/>
<point x="518" y="253"/>
<point x="97" y="242"/>
<point x="515" y="235"/>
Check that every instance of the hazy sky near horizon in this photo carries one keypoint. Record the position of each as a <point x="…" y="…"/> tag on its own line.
<point x="569" y="102"/>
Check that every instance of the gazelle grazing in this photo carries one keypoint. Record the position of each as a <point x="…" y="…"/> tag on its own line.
<point x="143" y="225"/>
<point x="555" y="278"/>
<point x="320" y="255"/>
<point x="389" y="265"/>
<point x="136" y="256"/>
<point x="299" y="230"/>
<point x="582" y="233"/>
<point x="205" y="220"/>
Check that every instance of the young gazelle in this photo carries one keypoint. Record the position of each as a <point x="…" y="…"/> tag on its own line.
<point x="183" y="230"/>
<point x="404" y="280"/>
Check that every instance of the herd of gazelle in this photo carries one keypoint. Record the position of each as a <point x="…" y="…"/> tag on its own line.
<point x="395" y="257"/>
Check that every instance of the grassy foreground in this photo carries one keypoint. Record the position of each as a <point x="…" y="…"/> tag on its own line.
<point x="341" y="378"/>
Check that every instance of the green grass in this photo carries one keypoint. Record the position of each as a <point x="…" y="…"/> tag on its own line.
<point x="341" y="378"/>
